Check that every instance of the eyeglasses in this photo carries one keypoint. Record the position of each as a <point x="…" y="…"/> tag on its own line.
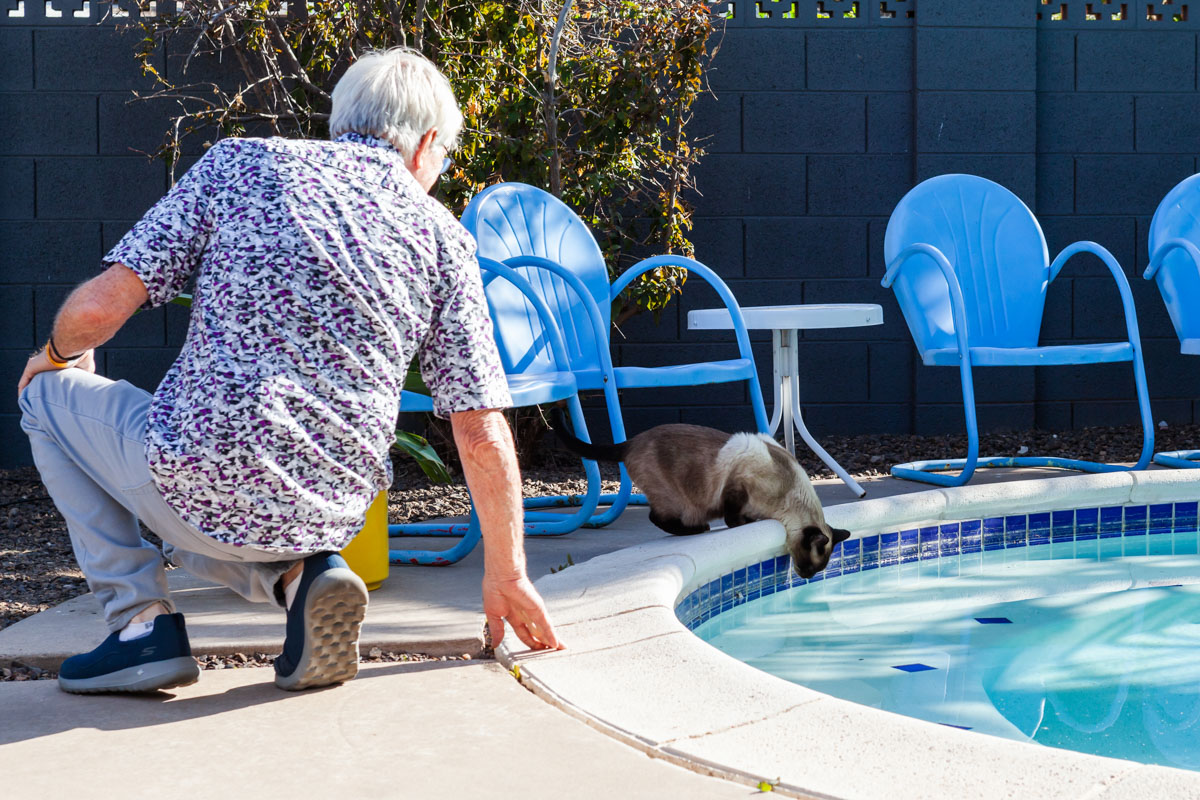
<point x="446" y="164"/>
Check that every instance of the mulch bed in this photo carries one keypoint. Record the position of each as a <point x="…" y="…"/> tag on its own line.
<point x="38" y="570"/>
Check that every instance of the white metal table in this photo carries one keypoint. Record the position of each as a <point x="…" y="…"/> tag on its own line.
<point x="785" y="323"/>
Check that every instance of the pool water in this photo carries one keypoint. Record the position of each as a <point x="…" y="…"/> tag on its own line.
<point x="1092" y="646"/>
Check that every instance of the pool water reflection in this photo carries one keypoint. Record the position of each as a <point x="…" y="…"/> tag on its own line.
<point x="1088" y="648"/>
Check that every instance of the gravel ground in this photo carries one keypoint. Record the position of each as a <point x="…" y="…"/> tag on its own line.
<point x="38" y="570"/>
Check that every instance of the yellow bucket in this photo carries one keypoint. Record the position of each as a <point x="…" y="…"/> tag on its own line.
<point x="367" y="553"/>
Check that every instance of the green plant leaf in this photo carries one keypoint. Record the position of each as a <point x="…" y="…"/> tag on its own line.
<point x="425" y="456"/>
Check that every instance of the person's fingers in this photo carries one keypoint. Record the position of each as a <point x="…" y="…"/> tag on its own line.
<point x="496" y="628"/>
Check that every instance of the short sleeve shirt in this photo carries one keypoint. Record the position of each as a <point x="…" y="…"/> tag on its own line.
<point x="320" y="269"/>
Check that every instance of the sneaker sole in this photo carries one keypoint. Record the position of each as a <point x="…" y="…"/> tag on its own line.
<point x="334" y="611"/>
<point x="152" y="677"/>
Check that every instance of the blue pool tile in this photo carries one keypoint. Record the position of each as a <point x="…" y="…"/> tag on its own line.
<point x="1015" y="531"/>
<point x="948" y="539"/>
<point x="726" y="589"/>
<point x="781" y="568"/>
<point x="754" y="581"/>
<point x="739" y="580"/>
<point x="889" y="548"/>
<point x="1039" y="529"/>
<point x="971" y="536"/>
<point x="850" y="556"/>
<point x="909" y="546"/>
<point x="913" y="667"/>
<point x="1062" y="526"/>
<point x="1162" y="518"/>
<point x="1087" y="523"/>
<point x="1112" y="519"/>
<point x="1135" y="521"/>
<point x="993" y="533"/>
<point x="928" y="538"/>
<point x="1185" y="516"/>
<point x="768" y="589"/>
<point x="993" y="620"/>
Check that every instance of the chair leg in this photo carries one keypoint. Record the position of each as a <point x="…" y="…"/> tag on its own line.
<point x="535" y="525"/>
<point x="928" y="471"/>
<point x="934" y="471"/>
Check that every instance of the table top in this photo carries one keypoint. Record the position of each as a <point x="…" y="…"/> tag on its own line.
<point x="786" y="318"/>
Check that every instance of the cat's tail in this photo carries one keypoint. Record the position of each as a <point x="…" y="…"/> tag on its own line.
<point x="595" y="452"/>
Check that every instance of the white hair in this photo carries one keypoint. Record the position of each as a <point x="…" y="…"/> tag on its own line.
<point x="397" y="95"/>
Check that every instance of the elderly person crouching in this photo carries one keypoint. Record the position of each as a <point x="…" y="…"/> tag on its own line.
<point x="320" y="269"/>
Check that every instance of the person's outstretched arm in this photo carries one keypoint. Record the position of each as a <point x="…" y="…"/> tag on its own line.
<point x="489" y="462"/>
<point x="91" y="315"/>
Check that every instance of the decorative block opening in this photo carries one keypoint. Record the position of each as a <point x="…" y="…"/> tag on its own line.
<point x="838" y="12"/>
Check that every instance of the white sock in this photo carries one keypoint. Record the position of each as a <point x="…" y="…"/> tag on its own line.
<point x="136" y="630"/>
<point x="289" y="592"/>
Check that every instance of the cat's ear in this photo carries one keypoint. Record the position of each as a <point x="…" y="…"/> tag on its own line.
<point x="839" y="534"/>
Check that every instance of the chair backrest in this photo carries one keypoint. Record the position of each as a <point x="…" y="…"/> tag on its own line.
<point x="998" y="253"/>
<point x="512" y="219"/>
<point x="1178" y="217"/>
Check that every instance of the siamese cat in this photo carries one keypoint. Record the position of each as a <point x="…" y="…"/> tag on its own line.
<point x="692" y="474"/>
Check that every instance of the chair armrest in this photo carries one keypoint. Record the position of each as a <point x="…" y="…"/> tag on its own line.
<point x="557" y="348"/>
<point x="1118" y="275"/>
<point x="585" y="297"/>
<point x="722" y="290"/>
<point x="710" y="277"/>
<point x="1166" y="247"/>
<point x="957" y="305"/>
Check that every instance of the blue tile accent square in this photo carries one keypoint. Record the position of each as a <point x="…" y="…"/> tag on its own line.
<point x="1062" y="526"/>
<point x="1162" y="518"/>
<point x="739" y="580"/>
<point x="909" y="546"/>
<point x="993" y="533"/>
<point x="913" y="667"/>
<point x="768" y="589"/>
<point x="1185" y="516"/>
<point x="993" y="620"/>
<point x="1135" y="520"/>
<point x="726" y="589"/>
<point x="1112" y="519"/>
<point x="971" y="536"/>
<point x="928" y="538"/>
<point x="1015" y="531"/>
<point x="1039" y="529"/>
<point x="1087" y="523"/>
<point x="948" y="539"/>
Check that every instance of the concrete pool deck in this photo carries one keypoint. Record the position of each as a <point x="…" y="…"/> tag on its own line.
<point x="461" y="729"/>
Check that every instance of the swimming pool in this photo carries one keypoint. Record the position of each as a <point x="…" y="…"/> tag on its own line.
<point x="635" y="671"/>
<point x="1077" y="635"/>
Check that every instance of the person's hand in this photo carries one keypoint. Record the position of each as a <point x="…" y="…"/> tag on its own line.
<point x="518" y="602"/>
<point x="39" y="363"/>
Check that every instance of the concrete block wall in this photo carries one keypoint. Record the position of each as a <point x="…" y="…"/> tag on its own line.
<point x="824" y="113"/>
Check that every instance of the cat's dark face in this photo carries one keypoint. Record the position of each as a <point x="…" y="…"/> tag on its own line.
<point x="812" y="548"/>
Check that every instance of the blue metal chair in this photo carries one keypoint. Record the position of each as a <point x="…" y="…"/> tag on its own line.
<point x="544" y="240"/>
<point x="969" y="266"/>
<point x="1175" y="266"/>
<point x="544" y="378"/>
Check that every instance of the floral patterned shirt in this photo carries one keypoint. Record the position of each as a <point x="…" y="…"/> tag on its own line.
<point x="320" y="268"/>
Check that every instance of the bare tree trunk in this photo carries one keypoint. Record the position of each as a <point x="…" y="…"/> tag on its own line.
<point x="550" y="100"/>
<point x="419" y="16"/>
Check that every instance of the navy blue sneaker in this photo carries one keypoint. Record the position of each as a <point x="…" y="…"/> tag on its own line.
<point x="162" y="659"/>
<point x="321" y="647"/>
